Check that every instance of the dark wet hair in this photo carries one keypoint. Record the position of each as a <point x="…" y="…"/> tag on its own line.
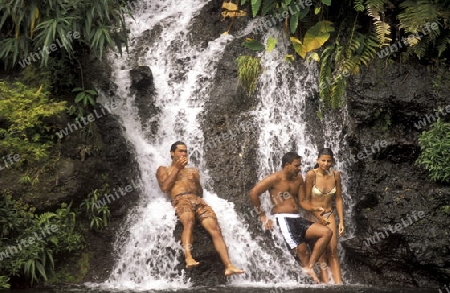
<point x="173" y="147"/>
<point x="325" y="152"/>
<point x="289" y="157"/>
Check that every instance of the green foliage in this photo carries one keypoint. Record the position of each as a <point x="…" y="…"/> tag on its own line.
<point x="415" y="18"/>
<point x="97" y="214"/>
<point x="29" y="242"/>
<point x="253" y="45"/>
<point x="85" y="96"/>
<point x="4" y="282"/>
<point x="338" y="62"/>
<point x="435" y="151"/>
<point x="249" y="69"/>
<point x="28" y="26"/>
<point x="26" y="109"/>
<point x="314" y="38"/>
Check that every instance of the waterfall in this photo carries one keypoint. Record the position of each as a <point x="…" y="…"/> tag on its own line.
<point x="148" y="254"/>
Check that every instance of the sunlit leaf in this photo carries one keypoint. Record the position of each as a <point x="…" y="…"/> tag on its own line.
<point x="317" y="35"/>
<point x="289" y="57"/>
<point x="271" y="44"/>
<point x="298" y="47"/>
<point x="229" y="6"/>
<point x="314" y="56"/>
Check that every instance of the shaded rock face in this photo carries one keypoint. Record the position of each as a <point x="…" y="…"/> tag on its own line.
<point x="143" y="87"/>
<point x="397" y="206"/>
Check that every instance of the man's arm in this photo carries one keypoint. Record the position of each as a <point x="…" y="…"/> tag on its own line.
<point x="256" y="191"/>
<point x="166" y="181"/>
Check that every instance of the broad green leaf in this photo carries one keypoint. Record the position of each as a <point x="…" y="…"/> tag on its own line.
<point x="79" y="97"/>
<point x="77" y="89"/>
<point x="327" y="2"/>
<point x="293" y="22"/>
<point x="317" y="35"/>
<point x="91" y="92"/>
<point x="253" y="45"/>
<point x="303" y="12"/>
<point x="268" y="5"/>
<point x="256" y="4"/>
<point x="298" y="47"/>
<point x="271" y="44"/>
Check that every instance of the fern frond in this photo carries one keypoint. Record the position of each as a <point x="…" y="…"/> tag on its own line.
<point x="337" y="93"/>
<point x="443" y="44"/>
<point x="416" y="14"/>
<point x="359" y="5"/>
<point x="419" y="49"/>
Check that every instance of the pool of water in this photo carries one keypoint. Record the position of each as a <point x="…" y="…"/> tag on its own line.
<point x="312" y="289"/>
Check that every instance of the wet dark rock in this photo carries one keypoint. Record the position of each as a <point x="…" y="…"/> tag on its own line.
<point x="143" y="88"/>
<point x="390" y="188"/>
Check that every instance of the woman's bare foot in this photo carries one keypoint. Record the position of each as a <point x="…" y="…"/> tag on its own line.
<point x="232" y="270"/>
<point x="312" y="274"/>
<point x="190" y="262"/>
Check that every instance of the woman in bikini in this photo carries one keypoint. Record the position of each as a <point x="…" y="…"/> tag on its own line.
<point x="322" y="185"/>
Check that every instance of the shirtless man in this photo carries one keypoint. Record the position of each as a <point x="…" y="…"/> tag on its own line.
<point x="284" y="186"/>
<point x="183" y="186"/>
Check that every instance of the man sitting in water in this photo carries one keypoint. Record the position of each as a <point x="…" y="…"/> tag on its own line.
<point x="284" y="186"/>
<point x="183" y="185"/>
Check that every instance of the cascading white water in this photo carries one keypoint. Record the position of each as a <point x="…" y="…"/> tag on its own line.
<point x="149" y="256"/>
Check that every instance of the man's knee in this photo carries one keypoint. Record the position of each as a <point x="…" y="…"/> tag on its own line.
<point x="212" y="226"/>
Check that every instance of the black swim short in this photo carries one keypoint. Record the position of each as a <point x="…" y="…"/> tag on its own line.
<point x="293" y="227"/>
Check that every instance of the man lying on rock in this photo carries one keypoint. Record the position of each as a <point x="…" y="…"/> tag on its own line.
<point x="183" y="186"/>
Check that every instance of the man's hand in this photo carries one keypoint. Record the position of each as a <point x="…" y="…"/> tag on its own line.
<point x="267" y="223"/>
<point x="181" y="163"/>
<point x="320" y="217"/>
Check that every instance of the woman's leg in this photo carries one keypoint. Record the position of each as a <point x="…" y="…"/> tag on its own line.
<point x="333" y="255"/>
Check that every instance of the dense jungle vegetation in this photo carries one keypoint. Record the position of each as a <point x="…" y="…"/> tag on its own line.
<point x="42" y="44"/>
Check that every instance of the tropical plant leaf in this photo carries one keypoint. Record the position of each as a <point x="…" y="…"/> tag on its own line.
<point x="299" y="48"/>
<point x="256" y="4"/>
<point x="229" y="6"/>
<point x="271" y="44"/>
<point x="317" y="35"/>
<point x="293" y="22"/>
<point x="253" y="44"/>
